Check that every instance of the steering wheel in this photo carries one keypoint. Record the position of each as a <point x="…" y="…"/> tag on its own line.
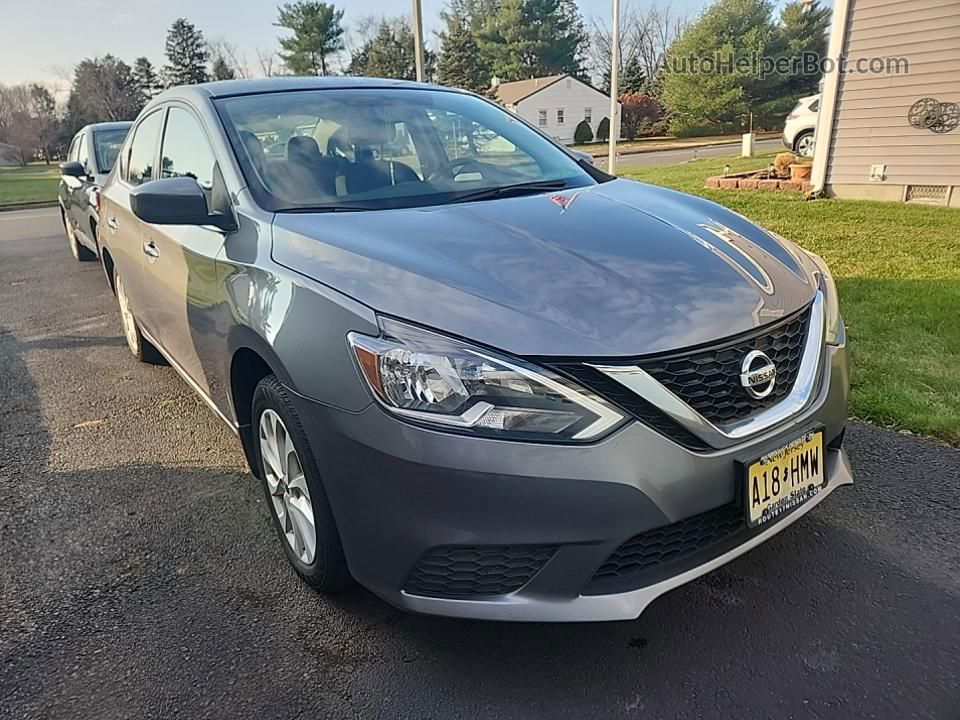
<point x="448" y="168"/>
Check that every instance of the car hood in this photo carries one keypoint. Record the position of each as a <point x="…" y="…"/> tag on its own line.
<point x="616" y="269"/>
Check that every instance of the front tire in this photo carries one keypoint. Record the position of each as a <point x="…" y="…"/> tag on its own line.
<point x="296" y="498"/>
<point x="142" y="349"/>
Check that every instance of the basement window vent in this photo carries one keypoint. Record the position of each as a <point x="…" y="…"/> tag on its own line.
<point x="927" y="194"/>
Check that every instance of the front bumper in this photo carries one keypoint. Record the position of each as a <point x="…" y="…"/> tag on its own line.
<point x="400" y="492"/>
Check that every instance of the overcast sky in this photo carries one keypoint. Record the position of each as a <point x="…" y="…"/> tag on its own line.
<point x="41" y="40"/>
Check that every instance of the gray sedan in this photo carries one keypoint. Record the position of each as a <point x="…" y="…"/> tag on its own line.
<point x="474" y="373"/>
<point x="90" y="159"/>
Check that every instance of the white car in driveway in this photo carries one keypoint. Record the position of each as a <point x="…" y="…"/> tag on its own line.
<point x="800" y="125"/>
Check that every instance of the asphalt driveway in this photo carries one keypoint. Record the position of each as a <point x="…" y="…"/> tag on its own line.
<point x="139" y="577"/>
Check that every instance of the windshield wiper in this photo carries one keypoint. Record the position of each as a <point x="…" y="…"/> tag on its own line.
<point x="511" y="190"/>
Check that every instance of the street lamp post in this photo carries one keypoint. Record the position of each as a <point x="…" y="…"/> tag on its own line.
<point x="614" y="88"/>
<point x="418" y="38"/>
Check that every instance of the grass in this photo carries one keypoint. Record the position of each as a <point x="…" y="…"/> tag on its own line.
<point x="897" y="268"/>
<point x="33" y="183"/>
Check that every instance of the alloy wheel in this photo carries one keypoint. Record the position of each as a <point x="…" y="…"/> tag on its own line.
<point x="805" y="145"/>
<point x="289" y="492"/>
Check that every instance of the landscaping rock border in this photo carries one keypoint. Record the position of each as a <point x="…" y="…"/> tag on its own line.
<point x="734" y="182"/>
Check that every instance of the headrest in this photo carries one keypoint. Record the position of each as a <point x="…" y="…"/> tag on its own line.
<point x="365" y="131"/>
<point x="253" y="147"/>
<point x="302" y="147"/>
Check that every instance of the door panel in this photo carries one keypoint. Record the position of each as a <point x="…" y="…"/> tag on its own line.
<point x="181" y="268"/>
<point x="122" y="229"/>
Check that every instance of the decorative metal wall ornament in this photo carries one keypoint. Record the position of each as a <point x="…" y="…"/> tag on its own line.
<point x="933" y="115"/>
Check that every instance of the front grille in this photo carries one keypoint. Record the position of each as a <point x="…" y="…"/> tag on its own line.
<point x="662" y="552"/>
<point x="476" y="570"/>
<point x="644" y="411"/>
<point x="708" y="380"/>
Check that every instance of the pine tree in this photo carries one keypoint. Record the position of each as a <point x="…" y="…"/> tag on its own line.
<point x="145" y="77"/>
<point x="803" y="29"/>
<point x="533" y="38"/>
<point x="460" y="64"/>
<point x="390" y="54"/>
<point x="603" y="130"/>
<point x="317" y="36"/>
<point x="721" y="101"/>
<point x="221" y="70"/>
<point x="187" y="54"/>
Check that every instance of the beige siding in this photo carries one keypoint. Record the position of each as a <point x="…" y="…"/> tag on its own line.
<point x="870" y="126"/>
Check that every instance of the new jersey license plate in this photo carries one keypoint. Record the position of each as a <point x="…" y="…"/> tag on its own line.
<point x="784" y="478"/>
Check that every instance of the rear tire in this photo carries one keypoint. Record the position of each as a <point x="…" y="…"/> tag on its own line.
<point x="141" y="348"/>
<point x="296" y="499"/>
<point x="80" y="252"/>
<point x="804" y="144"/>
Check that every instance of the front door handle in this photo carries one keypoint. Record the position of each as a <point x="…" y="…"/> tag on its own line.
<point x="150" y="250"/>
<point x="113" y="224"/>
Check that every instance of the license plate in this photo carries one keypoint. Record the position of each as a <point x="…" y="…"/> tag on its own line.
<point x="784" y="478"/>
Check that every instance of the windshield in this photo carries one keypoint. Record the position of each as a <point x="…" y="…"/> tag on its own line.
<point x="107" y="146"/>
<point x="377" y="149"/>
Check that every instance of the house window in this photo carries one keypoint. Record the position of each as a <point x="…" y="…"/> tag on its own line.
<point x="560" y="116"/>
<point x="542" y="119"/>
<point x="588" y="115"/>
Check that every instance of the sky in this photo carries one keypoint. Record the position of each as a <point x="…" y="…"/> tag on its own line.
<point x="42" y="40"/>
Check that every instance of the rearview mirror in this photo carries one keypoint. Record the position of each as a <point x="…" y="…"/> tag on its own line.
<point x="176" y="201"/>
<point x="72" y="169"/>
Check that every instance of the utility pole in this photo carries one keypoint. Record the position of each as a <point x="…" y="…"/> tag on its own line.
<point x="418" y="38"/>
<point x="614" y="88"/>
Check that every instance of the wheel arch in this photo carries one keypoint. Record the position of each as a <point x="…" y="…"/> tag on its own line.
<point x="106" y="260"/>
<point x="799" y="136"/>
<point x="251" y="360"/>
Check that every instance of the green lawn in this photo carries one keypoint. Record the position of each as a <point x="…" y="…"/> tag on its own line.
<point x="898" y="272"/>
<point x="34" y="183"/>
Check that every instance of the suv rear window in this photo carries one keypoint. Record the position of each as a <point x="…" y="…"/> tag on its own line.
<point x="106" y="147"/>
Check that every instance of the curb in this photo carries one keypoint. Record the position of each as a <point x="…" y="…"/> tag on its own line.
<point x="682" y="146"/>
<point x="28" y="206"/>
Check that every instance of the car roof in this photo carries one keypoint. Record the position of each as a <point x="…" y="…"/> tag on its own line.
<point x="228" y="88"/>
<point x="119" y="125"/>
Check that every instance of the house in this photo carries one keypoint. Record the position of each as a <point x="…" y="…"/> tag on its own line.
<point x="890" y="128"/>
<point x="555" y="104"/>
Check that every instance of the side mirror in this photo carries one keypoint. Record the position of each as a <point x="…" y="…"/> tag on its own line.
<point x="72" y="169"/>
<point x="176" y="201"/>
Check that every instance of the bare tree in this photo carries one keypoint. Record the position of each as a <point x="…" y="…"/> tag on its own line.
<point x="269" y="63"/>
<point x="645" y="35"/>
<point x="28" y="120"/>
<point x="236" y="61"/>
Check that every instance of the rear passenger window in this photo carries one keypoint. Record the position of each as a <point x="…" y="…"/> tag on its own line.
<point x="143" y="150"/>
<point x="186" y="152"/>
<point x="84" y="152"/>
<point x="72" y="153"/>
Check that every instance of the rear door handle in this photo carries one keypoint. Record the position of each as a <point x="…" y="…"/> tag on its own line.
<point x="113" y="224"/>
<point x="150" y="249"/>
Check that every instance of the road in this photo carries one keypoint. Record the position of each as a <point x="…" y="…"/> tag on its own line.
<point x="669" y="157"/>
<point x="139" y="577"/>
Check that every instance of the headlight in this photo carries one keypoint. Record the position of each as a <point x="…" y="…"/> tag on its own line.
<point x="433" y="379"/>
<point x="836" y="334"/>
